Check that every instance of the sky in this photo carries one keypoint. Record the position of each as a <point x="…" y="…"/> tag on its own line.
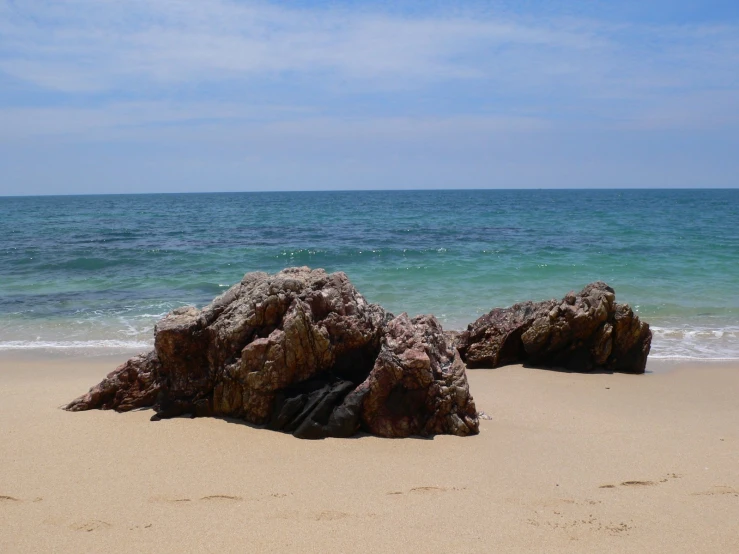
<point x="116" y="96"/>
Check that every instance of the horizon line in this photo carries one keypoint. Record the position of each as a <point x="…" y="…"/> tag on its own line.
<point x="292" y="191"/>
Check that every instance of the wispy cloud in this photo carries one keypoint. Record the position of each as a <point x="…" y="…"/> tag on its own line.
<point x="84" y="45"/>
<point x="219" y="70"/>
<point x="134" y="46"/>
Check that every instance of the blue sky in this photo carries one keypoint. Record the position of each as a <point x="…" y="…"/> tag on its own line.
<point x="100" y="96"/>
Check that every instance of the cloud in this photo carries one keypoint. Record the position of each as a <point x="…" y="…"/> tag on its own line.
<point x="130" y="45"/>
<point x="140" y="47"/>
<point x="82" y="45"/>
<point x="114" y="118"/>
<point x="268" y="81"/>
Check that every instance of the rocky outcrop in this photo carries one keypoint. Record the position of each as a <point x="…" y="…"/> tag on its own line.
<point x="303" y="352"/>
<point x="132" y="385"/>
<point x="418" y="385"/>
<point x="583" y="332"/>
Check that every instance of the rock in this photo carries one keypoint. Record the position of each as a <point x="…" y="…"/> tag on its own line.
<point x="289" y="350"/>
<point x="133" y="384"/>
<point x="582" y="332"/>
<point x="418" y="385"/>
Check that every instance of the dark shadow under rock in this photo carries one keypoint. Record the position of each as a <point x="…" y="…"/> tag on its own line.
<point x="582" y="332"/>
<point x="305" y="410"/>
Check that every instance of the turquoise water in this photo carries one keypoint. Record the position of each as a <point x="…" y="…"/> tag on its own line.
<point x="81" y="272"/>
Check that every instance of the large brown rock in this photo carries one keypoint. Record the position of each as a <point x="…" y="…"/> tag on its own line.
<point x="286" y="350"/>
<point x="583" y="332"/>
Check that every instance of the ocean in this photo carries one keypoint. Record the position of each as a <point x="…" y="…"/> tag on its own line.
<point x="90" y="273"/>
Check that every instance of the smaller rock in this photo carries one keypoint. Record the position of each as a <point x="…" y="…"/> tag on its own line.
<point x="133" y="384"/>
<point x="582" y="332"/>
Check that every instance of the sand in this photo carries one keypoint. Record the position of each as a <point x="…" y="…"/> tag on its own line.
<point x="568" y="463"/>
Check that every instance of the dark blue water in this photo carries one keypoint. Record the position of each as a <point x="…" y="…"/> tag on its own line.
<point x="98" y="271"/>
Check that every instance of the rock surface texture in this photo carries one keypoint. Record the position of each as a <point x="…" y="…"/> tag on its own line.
<point x="583" y="332"/>
<point x="418" y="385"/>
<point x="132" y="385"/>
<point x="300" y="351"/>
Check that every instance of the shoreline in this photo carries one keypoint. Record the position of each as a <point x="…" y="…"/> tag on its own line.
<point x="118" y="356"/>
<point x="567" y="463"/>
<point x="683" y="344"/>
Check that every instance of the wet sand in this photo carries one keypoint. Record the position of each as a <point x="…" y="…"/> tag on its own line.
<point x="568" y="463"/>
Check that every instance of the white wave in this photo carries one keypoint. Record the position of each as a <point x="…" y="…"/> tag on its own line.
<point x="669" y="342"/>
<point x="695" y="343"/>
<point x="74" y="344"/>
<point x="695" y="358"/>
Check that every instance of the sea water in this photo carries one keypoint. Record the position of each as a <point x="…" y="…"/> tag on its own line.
<point x="92" y="272"/>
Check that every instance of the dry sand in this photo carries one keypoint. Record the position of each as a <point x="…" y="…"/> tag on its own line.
<point x="568" y="463"/>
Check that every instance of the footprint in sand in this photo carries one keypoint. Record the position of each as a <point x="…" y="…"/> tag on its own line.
<point x="574" y="518"/>
<point x="643" y="483"/>
<point x="90" y="526"/>
<point x="631" y="484"/>
<point x="638" y="483"/>
<point x="169" y="500"/>
<point x="183" y="500"/>
<point x="618" y="528"/>
<point x="429" y="489"/>
<point x="325" y="515"/>
<point x="145" y="526"/>
<point x="330" y="515"/>
<point x="577" y="527"/>
<point x="718" y="490"/>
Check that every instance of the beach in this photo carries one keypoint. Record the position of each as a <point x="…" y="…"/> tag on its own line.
<point x="566" y="463"/>
<point x="313" y="251"/>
